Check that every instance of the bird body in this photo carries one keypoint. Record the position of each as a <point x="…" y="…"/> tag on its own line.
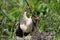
<point x="25" y="25"/>
<point x="25" y="22"/>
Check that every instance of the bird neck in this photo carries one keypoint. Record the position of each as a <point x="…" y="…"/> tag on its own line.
<point x="25" y="16"/>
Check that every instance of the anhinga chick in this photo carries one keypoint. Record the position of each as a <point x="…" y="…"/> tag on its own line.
<point x="26" y="22"/>
<point x="25" y="26"/>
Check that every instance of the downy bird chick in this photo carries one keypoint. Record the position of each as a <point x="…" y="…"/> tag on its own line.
<point x="26" y="25"/>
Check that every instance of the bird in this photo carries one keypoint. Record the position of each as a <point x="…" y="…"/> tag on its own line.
<point x="26" y="25"/>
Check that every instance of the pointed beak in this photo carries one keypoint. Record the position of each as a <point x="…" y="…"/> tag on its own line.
<point x="36" y="18"/>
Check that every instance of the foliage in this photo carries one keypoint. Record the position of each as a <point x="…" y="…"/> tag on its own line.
<point x="11" y="11"/>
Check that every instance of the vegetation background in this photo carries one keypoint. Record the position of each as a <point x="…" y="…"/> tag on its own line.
<point x="11" y="11"/>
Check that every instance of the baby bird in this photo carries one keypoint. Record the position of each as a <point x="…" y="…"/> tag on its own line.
<point x="25" y="25"/>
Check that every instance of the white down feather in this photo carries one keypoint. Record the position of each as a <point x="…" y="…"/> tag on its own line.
<point x="28" y="21"/>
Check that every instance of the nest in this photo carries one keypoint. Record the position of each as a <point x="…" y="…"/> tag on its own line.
<point x="37" y="35"/>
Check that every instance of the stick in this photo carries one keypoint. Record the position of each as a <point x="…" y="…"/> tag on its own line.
<point x="28" y="5"/>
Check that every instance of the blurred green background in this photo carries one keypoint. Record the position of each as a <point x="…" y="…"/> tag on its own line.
<point x="11" y="11"/>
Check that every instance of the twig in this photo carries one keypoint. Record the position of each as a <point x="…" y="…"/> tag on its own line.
<point x="27" y="2"/>
<point x="28" y="5"/>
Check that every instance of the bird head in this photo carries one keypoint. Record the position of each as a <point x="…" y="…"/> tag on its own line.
<point x="26" y="9"/>
<point x="35" y="18"/>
